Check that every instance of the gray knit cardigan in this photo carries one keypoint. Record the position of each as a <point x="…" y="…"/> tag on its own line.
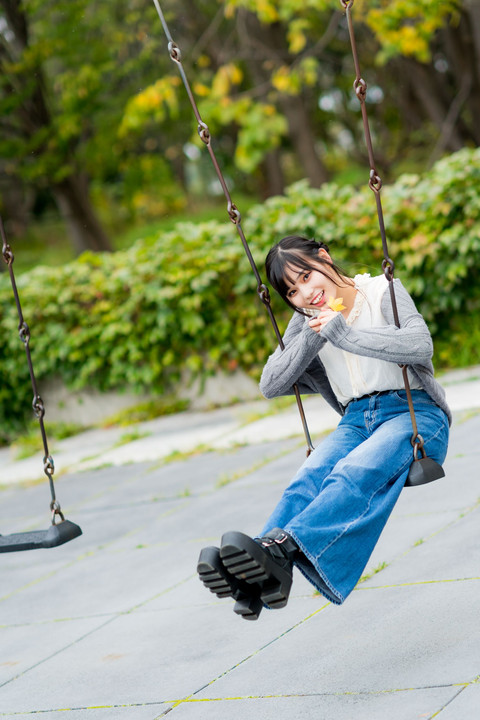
<point x="299" y="363"/>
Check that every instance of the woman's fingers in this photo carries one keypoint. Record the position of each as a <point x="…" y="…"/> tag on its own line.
<point x="324" y="317"/>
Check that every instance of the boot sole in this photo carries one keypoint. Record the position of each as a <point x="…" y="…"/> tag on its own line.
<point x="222" y="583"/>
<point x="247" y="561"/>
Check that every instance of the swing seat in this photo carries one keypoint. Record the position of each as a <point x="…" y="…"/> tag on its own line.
<point x="55" y="535"/>
<point x="423" y="471"/>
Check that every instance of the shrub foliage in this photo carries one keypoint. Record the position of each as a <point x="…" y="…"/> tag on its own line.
<point x="185" y="304"/>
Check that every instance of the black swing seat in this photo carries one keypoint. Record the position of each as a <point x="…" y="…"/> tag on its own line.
<point x="56" y="535"/>
<point x="422" y="471"/>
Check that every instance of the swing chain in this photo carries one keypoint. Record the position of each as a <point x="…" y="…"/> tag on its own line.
<point x="375" y="184"/>
<point x="24" y="334"/>
<point x="232" y="210"/>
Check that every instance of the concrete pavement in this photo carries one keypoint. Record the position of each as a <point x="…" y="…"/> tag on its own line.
<point x="116" y="624"/>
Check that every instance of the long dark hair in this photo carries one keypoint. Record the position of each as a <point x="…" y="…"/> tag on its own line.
<point x="300" y="252"/>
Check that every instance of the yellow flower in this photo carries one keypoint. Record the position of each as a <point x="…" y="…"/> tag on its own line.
<point x="336" y="304"/>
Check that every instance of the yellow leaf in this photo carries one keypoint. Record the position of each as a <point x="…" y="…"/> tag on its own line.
<point x="336" y="304"/>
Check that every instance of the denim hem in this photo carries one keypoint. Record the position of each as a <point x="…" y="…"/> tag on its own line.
<point x="316" y="576"/>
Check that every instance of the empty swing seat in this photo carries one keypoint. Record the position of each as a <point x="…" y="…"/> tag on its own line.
<point x="55" y="535"/>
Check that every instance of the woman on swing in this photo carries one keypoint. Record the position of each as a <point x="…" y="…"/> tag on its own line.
<point x="343" y="343"/>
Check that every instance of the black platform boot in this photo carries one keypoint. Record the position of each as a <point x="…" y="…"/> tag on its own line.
<point x="223" y="584"/>
<point x="265" y="562"/>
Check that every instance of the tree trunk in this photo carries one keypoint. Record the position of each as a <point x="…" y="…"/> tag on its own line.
<point x="428" y="97"/>
<point x="303" y="139"/>
<point x="84" y="227"/>
<point x="262" y="43"/>
<point x="273" y="181"/>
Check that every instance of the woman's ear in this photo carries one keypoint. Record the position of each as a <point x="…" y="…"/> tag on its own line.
<point x="323" y="255"/>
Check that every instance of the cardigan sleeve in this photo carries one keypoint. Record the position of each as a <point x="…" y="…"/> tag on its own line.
<point x="410" y="344"/>
<point x="297" y="363"/>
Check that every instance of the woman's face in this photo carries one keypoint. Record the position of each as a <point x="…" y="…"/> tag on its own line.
<point x="311" y="289"/>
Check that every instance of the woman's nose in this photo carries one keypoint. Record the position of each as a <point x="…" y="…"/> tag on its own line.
<point x="307" y="292"/>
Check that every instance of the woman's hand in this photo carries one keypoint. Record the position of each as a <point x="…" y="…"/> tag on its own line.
<point x="323" y="317"/>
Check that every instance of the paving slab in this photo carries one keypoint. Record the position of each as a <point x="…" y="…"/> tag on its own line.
<point x="110" y="666"/>
<point x="117" y="624"/>
<point x="149" y="711"/>
<point x="465" y="704"/>
<point x="444" y="556"/>
<point x="26" y="648"/>
<point x="419" y="637"/>
<point x="409" y="704"/>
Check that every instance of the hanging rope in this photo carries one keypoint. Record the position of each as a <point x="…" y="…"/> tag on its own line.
<point x="233" y="212"/>
<point x="37" y="404"/>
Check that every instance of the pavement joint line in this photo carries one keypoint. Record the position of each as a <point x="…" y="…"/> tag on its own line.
<point x="80" y="558"/>
<point x="417" y="582"/>
<point x="347" y="693"/>
<point x="278" y="696"/>
<point x="253" y="654"/>
<point x="418" y="543"/>
<point x="58" y="652"/>
<point x="463" y="513"/>
<point x="436" y="714"/>
<point x="111" y="615"/>
<point x="83" y="707"/>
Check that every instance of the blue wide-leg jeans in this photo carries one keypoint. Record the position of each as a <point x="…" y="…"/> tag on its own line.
<point x="340" y="499"/>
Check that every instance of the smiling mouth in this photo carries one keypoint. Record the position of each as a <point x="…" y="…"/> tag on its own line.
<point x="317" y="300"/>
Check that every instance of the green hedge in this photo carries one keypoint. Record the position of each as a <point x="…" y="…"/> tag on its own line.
<point x="186" y="303"/>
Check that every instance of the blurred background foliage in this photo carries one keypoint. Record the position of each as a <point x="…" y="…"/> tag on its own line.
<point x="183" y="304"/>
<point x="99" y="149"/>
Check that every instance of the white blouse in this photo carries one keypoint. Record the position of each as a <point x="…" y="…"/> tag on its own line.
<point x="352" y="376"/>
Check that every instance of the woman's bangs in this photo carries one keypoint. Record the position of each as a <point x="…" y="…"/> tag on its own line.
<point x="292" y="262"/>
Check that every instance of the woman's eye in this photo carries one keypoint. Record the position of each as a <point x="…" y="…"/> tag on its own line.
<point x="291" y="293"/>
<point x="306" y="276"/>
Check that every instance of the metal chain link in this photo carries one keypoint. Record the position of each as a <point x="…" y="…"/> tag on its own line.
<point x="375" y="184"/>
<point x="37" y="403"/>
<point x="232" y="210"/>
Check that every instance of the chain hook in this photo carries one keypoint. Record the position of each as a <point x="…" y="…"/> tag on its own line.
<point x="175" y="52"/>
<point x="48" y="466"/>
<point x="234" y="213"/>
<point x="375" y="182"/>
<point x="7" y="254"/>
<point x="360" y="87"/>
<point x="204" y="133"/>
<point x="56" y="510"/>
<point x="24" y="332"/>
<point x="38" y="407"/>
<point x="418" y="443"/>
<point x="263" y="294"/>
<point x="388" y="267"/>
